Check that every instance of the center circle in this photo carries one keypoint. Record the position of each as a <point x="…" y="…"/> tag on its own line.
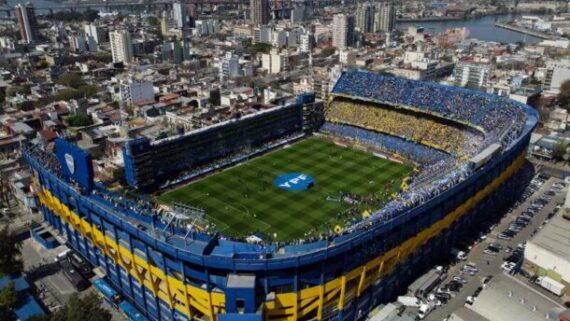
<point x="294" y="181"/>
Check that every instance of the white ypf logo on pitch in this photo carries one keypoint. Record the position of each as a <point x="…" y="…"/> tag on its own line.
<point x="294" y="181"/>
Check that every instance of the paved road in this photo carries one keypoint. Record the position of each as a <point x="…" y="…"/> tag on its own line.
<point x="477" y="256"/>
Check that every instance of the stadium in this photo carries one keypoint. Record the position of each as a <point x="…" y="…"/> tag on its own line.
<point x="297" y="212"/>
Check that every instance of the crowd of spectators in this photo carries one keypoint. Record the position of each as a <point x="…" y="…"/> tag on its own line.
<point x="491" y="113"/>
<point x="122" y="202"/>
<point x="406" y="125"/>
<point x="387" y="143"/>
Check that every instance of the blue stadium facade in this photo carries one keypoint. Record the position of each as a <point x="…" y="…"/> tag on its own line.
<point x="169" y="273"/>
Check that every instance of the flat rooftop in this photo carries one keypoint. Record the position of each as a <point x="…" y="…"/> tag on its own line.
<point x="555" y="236"/>
<point x="507" y="298"/>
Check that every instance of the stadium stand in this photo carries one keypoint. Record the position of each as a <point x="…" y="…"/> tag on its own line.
<point x="390" y="144"/>
<point x="160" y="163"/>
<point x="493" y="114"/>
<point x="403" y="124"/>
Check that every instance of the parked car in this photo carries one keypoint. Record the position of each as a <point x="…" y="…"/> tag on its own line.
<point x="504" y="236"/>
<point x="508" y="266"/>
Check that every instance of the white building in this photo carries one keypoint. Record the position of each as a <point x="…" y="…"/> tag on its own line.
<point x="7" y="43"/>
<point x="347" y="57"/>
<point x="365" y="17"/>
<point x="92" y="44"/>
<point x="278" y="38"/>
<point x="95" y="32"/>
<point x="473" y="75"/>
<point x="343" y="31"/>
<point x="427" y="66"/>
<point x="262" y="34"/>
<point x="557" y="72"/>
<point x="228" y="66"/>
<point x="411" y="56"/>
<point x="27" y="23"/>
<point x="77" y="44"/>
<point x="132" y="91"/>
<point x="301" y="11"/>
<point x="548" y="251"/>
<point x="275" y="62"/>
<point x="121" y="46"/>
<point x="180" y="14"/>
<point x="556" y="43"/>
<point x="307" y="41"/>
<point x="259" y="12"/>
<point x="384" y="18"/>
<point x="207" y="27"/>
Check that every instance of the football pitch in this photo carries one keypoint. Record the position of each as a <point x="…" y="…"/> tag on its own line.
<point x="260" y="195"/>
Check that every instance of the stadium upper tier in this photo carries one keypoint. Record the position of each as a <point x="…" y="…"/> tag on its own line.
<point x="497" y="117"/>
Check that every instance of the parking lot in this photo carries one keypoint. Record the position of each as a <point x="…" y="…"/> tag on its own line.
<point x="503" y="243"/>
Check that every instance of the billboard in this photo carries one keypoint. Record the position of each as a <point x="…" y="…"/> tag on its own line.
<point x="75" y="162"/>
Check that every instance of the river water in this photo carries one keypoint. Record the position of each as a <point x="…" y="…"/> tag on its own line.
<point x="482" y="28"/>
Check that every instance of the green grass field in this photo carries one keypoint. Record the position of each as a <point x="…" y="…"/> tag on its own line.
<point x="243" y="199"/>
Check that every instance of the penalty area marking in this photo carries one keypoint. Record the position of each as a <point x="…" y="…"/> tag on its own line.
<point x="245" y="210"/>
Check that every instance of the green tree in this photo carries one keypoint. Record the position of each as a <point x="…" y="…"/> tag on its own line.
<point x="564" y="95"/>
<point x="71" y="79"/>
<point x="10" y="254"/>
<point x="8" y="299"/>
<point x="87" y="308"/>
<point x="152" y="21"/>
<point x="88" y="91"/>
<point x="327" y="51"/>
<point x="68" y="94"/>
<point x="258" y="48"/>
<point x="559" y="150"/>
<point x="79" y="120"/>
<point x="42" y="64"/>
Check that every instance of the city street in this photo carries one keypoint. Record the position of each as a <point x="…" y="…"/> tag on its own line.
<point x="491" y="264"/>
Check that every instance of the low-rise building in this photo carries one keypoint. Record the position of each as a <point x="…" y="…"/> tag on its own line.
<point x="547" y="253"/>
